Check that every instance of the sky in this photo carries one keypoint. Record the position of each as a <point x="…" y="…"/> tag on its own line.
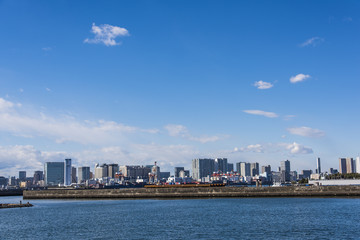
<point x="133" y="82"/>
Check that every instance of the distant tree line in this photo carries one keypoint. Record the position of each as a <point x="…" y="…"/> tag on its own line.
<point x="343" y="176"/>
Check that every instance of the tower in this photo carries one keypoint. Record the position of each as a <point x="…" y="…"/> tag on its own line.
<point x="67" y="172"/>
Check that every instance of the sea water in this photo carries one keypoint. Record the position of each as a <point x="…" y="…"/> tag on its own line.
<point x="221" y="218"/>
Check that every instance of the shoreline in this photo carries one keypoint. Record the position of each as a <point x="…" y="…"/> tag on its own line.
<point x="188" y="193"/>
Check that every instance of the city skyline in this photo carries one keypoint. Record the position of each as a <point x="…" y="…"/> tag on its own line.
<point x="138" y="82"/>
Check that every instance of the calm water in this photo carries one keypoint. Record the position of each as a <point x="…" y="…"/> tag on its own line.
<point x="255" y="218"/>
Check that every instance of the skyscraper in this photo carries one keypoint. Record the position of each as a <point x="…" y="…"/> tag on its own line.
<point x="285" y="171"/>
<point x="22" y="175"/>
<point x="112" y="169"/>
<point x="245" y="169"/>
<point x="202" y="168"/>
<point x="318" y="166"/>
<point x="254" y="169"/>
<point x="101" y="171"/>
<point x="346" y="165"/>
<point x="342" y="165"/>
<point x="358" y="165"/>
<point x="73" y="174"/>
<point x="221" y="165"/>
<point x="83" y="174"/>
<point x="67" y="172"/>
<point x="54" y="173"/>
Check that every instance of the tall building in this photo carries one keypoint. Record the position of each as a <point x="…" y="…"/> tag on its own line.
<point x="266" y="169"/>
<point x="202" y="168"/>
<point x="285" y="171"/>
<point x="254" y="169"/>
<point x="244" y="169"/>
<point x="134" y="172"/>
<point x="230" y="167"/>
<point x="346" y="165"/>
<point x="38" y="176"/>
<point x="73" y="174"/>
<point x="318" y="166"/>
<point x="67" y="172"/>
<point x="177" y="171"/>
<point x="358" y="165"/>
<point x="101" y="171"/>
<point x="112" y="169"/>
<point x="54" y="173"/>
<point x="342" y="165"/>
<point x="221" y="165"/>
<point x="22" y="175"/>
<point x="83" y="174"/>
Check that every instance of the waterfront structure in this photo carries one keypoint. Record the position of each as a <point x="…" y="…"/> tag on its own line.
<point x="221" y="165"/>
<point x="254" y="169"/>
<point x="202" y="168"/>
<point x="101" y="171"/>
<point x="54" y="173"/>
<point x="67" y="172"/>
<point x="112" y="169"/>
<point x="22" y="175"/>
<point x="318" y="166"/>
<point x="83" y="174"/>
<point x="346" y="165"/>
<point x="177" y="171"/>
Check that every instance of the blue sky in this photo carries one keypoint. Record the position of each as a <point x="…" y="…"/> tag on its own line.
<point x="133" y="82"/>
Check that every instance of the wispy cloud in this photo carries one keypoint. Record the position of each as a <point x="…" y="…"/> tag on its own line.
<point x="46" y="49"/>
<point x="106" y="34"/>
<point x="290" y="148"/>
<point x="263" y="85"/>
<point x="62" y="129"/>
<point x="175" y="130"/>
<point x="312" y="42"/>
<point x="299" y="78"/>
<point x="306" y="132"/>
<point x="347" y="19"/>
<point x="48" y="89"/>
<point x="261" y="113"/>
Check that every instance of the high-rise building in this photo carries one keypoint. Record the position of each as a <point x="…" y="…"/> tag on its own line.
<point x="54" y="173"/>
<point x="230" y="167"/>
<point x="83" y="174"/>
<point x="358" y="165"/>
<point x="254" y="169"/>
<point x="67" y="172"/>
<point x="134" y="172"/>
<point x="177" y="171"/>
<point x="285" y="171"/>
<point x="245" y="169"/>
<point x="101" y="171"/>
<point x="73" y="174"/>
<point x="318" y="166"/>
<point x="221" y="165"/>
<point x="38" y="176"/>
<point x="346" y="165"/>
<point x="22" y="175"/>
<point x="112" y="169"/>
<point x="266" y="169"/>
<point x="202" y="168"/>
<point x="342" y="165"/>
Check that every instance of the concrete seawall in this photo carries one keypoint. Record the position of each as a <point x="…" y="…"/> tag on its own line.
<point x="206" y="192"/>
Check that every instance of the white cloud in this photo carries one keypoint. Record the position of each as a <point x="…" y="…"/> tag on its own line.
<point x="263" y="85"/>
<point x="306" y="132"/>
<point x="296" y="148"/>
<point x="299" y="78"/>
<point x="312" y="41"/>
<point x="261" y="113"/>
<point x="106" y="34"/>
<point x="16" y="158"/>
<point x="63" y="129"/>
<point x="182" y="131"/>
<point x="256" y="148"/>
<point x="48" y="89"/>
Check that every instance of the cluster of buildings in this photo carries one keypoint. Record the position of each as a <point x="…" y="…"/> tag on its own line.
<point x="203" y="170"/>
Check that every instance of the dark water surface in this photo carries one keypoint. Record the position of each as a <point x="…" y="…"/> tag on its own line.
<point x="242" y="218"/>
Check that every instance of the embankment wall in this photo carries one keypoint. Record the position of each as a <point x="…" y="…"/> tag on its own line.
<point x="204" y="192"/>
